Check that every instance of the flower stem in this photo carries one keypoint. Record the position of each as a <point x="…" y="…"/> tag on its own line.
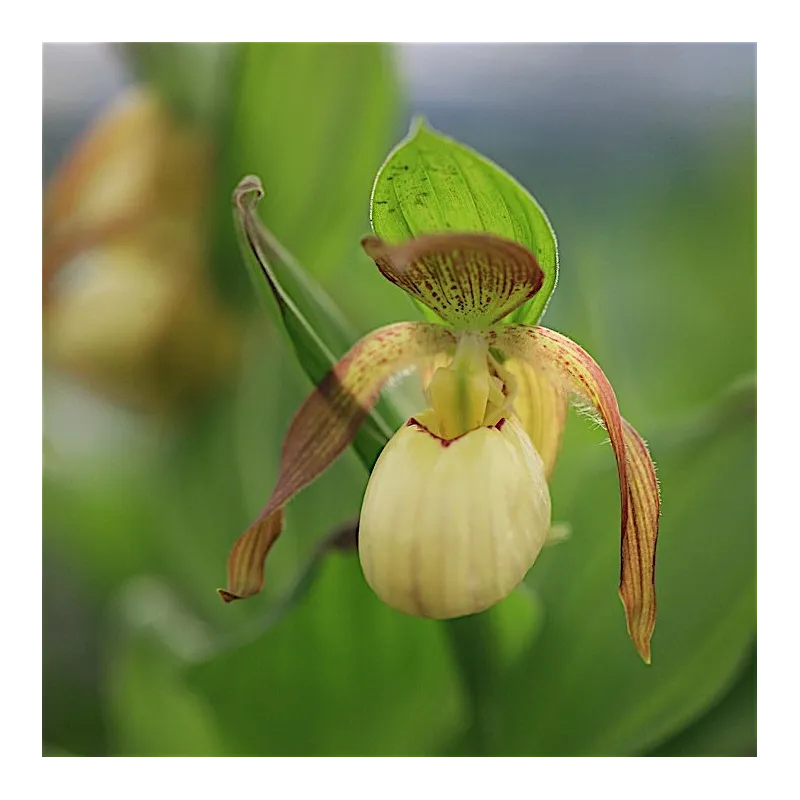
<point x="473" y="641"/>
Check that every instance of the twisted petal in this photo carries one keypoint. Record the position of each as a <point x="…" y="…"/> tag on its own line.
<point x="637" y="580"/>
<point x="321" y="430"/>
<point x="471" y="280"/>
<point x="541" y="406"/>
<point x="575" y="370"/>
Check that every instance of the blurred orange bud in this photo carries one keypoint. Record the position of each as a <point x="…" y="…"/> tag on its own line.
<point x="128" y="307"/>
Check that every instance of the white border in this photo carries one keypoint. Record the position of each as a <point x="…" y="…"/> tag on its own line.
<point x="777" y="300"/>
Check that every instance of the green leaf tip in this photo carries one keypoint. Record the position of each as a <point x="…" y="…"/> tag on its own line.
<point x="248" y="192"/>
<point x="418" y="122"/>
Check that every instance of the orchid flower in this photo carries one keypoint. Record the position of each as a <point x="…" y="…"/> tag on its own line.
<point x="457" y="507"/>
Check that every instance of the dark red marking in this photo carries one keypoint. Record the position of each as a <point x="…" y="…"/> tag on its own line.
<point x="414" y="422"/>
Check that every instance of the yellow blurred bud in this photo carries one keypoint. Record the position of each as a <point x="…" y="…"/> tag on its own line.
<point x="128" y="308"/>
<point x="138" y="168"/>
<point x="450" y="527"/>
<point x="144" y="338"/>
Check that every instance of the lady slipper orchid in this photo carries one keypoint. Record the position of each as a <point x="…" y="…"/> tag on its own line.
<point x="457" y="507"/>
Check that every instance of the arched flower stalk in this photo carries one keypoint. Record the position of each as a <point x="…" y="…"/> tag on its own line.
<point x="457" y="507"/>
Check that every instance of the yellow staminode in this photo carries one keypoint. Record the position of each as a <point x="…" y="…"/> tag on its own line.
<point x="459" y="392"/>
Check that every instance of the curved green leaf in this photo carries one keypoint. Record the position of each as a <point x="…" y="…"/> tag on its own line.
<point x="431" y="184"/>
<point x="274" y="270"/>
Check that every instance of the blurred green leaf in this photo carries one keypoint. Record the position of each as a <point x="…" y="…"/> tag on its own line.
<point x="152" y="711"/>
<point x="343" y="675"/>
<point x="586" y="693"/>
<point x="697" y="231"/>
<point x="189" y="75"/>
<point x="95" y="518"/>
<point x="72" y="716"/>
<point x="430" y="184"/>
<point x="727" y="729"/>
<point x="171" y="515"/>
<point x="312" y="120"/>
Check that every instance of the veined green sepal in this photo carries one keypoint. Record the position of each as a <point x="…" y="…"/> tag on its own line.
<point x="431" y="183"/>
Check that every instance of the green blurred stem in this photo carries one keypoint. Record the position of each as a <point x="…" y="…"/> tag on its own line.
<point x="474" y="643"/>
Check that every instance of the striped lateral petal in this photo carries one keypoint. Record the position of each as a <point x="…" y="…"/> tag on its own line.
<point x="541" y="406"/>
<point x="639" y="542"/>
<point x="323" y="428"/>
<point x="572" y="367"/>
<point x="471" y="280"/>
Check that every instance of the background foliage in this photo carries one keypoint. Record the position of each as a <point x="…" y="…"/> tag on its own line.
<point x="653" y="203"/>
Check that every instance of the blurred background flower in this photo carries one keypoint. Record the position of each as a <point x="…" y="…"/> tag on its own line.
<point x="163" y="415"/>
<point x="129" y="307"/>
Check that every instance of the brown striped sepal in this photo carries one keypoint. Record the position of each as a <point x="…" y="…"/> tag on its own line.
<point x="323" y="428"/>
<point x="471" y="280"/>
<point x="570" y="366"/>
